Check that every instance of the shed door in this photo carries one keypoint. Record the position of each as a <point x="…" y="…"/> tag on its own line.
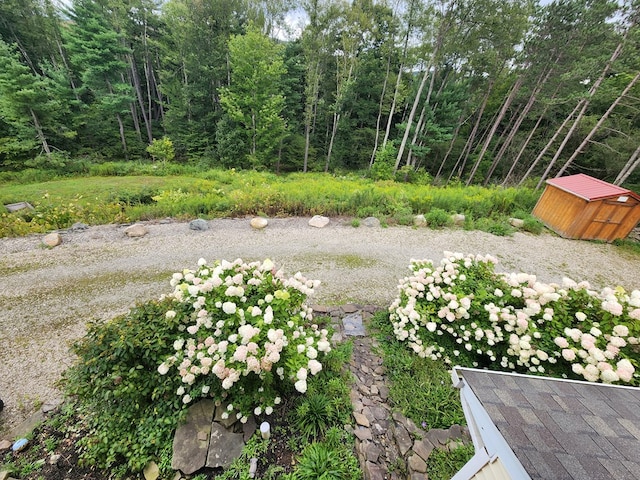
<point x="608" y="218"/>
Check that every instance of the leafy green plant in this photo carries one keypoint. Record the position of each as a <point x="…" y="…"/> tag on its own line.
<point x="162" y="149"/>
<point x="313" y="415"/>
<point x="355" y="223"/>
<point x="444" y="464"/>
<point x="320" y="461"/>
<point x="532" y="225"/>
<point x="438" y="218"/>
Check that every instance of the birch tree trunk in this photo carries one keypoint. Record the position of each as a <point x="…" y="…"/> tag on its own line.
<point x="629" y="167"/>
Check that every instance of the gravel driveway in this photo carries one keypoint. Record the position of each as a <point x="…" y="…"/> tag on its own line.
<point x="48" y="295"/>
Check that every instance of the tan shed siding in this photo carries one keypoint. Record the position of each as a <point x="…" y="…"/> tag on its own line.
<point x="492" y="471"/>
<point x="558" y="209"/>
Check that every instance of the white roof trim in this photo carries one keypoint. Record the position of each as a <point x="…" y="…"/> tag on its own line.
<point x="487" y="439"/>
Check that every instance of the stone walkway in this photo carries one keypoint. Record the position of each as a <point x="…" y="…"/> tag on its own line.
<point x="389" y="445"/>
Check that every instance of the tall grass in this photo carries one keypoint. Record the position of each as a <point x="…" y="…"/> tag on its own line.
<point x="111" y="195"/>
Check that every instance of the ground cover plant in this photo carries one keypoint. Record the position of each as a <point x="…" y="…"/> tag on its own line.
<point x="187" y="194"/>
<point x="238" y="333"/>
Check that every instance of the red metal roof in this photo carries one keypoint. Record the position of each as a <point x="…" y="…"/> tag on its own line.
<point x="588" y="187"/>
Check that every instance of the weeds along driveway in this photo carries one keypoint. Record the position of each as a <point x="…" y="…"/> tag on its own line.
<point x="48" y="295"/>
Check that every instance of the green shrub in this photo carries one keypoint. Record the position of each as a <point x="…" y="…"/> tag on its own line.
<point x="444" y="464"/>
<point x="532" y="225"/>
<point x="438" y="218"/>
<point x="313" y="416"/>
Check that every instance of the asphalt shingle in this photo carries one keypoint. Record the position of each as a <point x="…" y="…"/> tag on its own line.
<point x="562" y="429"/>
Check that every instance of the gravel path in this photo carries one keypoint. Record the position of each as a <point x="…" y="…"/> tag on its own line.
<point x="48" y="295"/>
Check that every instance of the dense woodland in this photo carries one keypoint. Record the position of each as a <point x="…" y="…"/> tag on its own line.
<point x="472" y="91"/>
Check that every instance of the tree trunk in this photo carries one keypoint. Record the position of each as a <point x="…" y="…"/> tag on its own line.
<point x="494" y="127"/>
<point x="629" y="167"/>
<point x="334" y="129"/>
<point x="122" y="137"/>
<point x="464" y="155"/>
<point x="598" y="125"/>
<point x="138" y="89"/>
<point x="40" y="133"/>
<point x="585" y="104"/>
<point x="380" y="105"/>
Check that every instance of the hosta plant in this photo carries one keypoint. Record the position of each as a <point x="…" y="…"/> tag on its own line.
<point x="463" y="312"/>
<point x="247" y="335"/>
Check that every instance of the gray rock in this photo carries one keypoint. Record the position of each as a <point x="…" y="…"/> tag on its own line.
<point x="259" y="223"/>
<point x="458" y="219"/>
<point x="249" y="428"/>
<point x="371" y="222"/>
<point x="28" y="425"/>
<point x="423" y="448"/>
<point x="419" y="220"/>
<point x="15" y="207"/>
<point x="403" y="439"/>
<point x="190" y="453"/>
<point x="199" y="224"/>
<point x="224" y="447"/>
<point x="417" y="464"/>
<point x="319" y="221"/>
<point x="79" y="227"/>
<point x="51" y="405"/>
<point x="52" y="240"/>
<point x="226" y="422"/>
<point x="151" y="471"/>
<point x="136" y="230"/>
<point x="516" y="222"/>
<point x="371" y="452"/>
<point x="438" y="436"/>
<point x="361" y="419"/>
<point x="350" y="308"/>
<point x="5" y="445"/>
<point x="353" y="326"/>
<point x="373" y="471"/>
<point x="54" y="459"/>
<point x="362" y="433"/>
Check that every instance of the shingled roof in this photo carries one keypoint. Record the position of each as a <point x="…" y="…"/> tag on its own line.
<point x="550" y="428"/>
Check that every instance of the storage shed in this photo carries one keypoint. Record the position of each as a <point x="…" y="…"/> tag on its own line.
<point x="583" y="207"/>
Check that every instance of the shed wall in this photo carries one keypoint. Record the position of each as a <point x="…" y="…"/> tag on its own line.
<point x="493" y="471"/>
<point x="574" y="217"/>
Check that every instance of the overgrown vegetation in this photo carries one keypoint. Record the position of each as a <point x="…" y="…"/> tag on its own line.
<point x="185" y="193"/>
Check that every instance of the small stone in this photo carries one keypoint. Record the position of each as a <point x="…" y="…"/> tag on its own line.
<point x="402" y="439"/>
<point x="350" y="308"/>
<point x="54" y="459"/>
<point x="20" y="445"/>
<point x="363" y="433"/>
<point x="384" y="392"/>
<point x="28" y="425"/>
<point x="417" y="464"/>
<point x="418" y="476"/>
<point x="151" y="471"/>
<point x="79" y="227"/>
<point x="52" y="240"/>
<point x="361" y="419"/>
<point x="190" y="453"/>
<point x="4" y="475"/>
<point x="318" y="221"/>
<point x="371" y="222"/>
<point x="199" y="225"/>
<point x="373" y="471"/>
<point x="177" y="476"/>
<point x="14" y="207"/>
<point x="249" y="428"/>
<point x="438" y="436"/>
<point x="419" y="220"/>
<point x="423" y="448"/>
<point x="374" y="390"/>
<point x="5" y="445"/>
<point x="371" y="452"/>
<point x="516" y="222"/>
<point x="135" y="231"/>
<point x="51" y="405"/>
<point x="259" y="223"/>
<point x="226" y="422"/>
<point x="458" y="219"/>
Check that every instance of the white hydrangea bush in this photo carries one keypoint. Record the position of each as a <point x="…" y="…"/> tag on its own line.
<point x="463" y="312"/>
<point x="248" y="335"/>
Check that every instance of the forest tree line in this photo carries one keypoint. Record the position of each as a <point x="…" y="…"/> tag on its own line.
<point x="473" y="91"/>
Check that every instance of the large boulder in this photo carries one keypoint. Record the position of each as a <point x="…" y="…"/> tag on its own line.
<point x="318" y="221"/>
<point x="371" y="222"/>
<point x="199" y="224"/>
<point x="52" y="240"/>
<point x="191" y="441"/>
<point x="136" y="230"/>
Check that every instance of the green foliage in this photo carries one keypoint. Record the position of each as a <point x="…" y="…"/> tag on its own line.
<point x="444" y="464"/>
<point x="129" y="410"/>
<point x="313" y="416"/>
<point x="437" y="218"/>
<point x="420" y="388"/>
<point x="475" y="317"/>
<point x="162" y="149"/>
<point x="382" y="168"/>
<point x="323" y="461"/>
